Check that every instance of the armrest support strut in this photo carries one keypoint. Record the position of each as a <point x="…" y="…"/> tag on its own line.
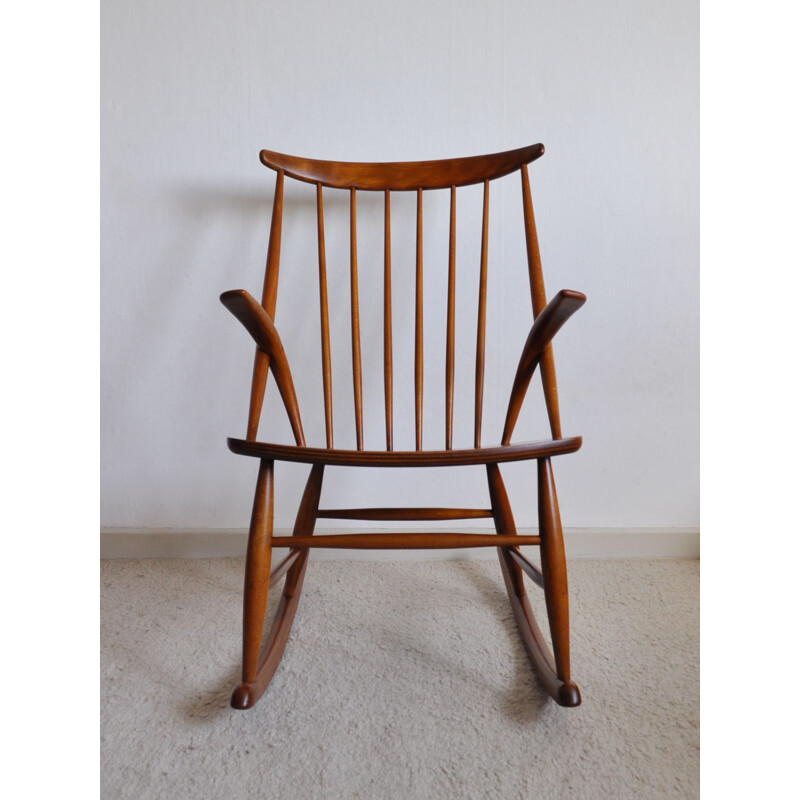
<point x="260" y="326"/>
<point x="544" y="328"/>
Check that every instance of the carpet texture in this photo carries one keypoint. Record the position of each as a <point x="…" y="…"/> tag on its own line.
<point x="401" y="679"/>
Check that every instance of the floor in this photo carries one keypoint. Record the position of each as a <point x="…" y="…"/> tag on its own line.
<point x="401" y="679"/>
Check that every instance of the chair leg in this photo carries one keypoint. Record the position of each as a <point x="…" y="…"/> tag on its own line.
<point x="257" y="671"/>
<point x="555" y="680"/>
<point x="256" y="579"/>
<point x="554" y="573"/>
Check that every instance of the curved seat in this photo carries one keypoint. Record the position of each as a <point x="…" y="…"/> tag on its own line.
<point x="405" y="458"/>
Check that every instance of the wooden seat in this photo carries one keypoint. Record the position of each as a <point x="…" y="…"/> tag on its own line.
<point x="405" y="458"/>
<point x="260" y="662"/>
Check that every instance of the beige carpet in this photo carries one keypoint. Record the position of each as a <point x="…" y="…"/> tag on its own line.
<point x="401" y="680"/>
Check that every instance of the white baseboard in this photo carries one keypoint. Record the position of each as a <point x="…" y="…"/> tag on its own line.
<point x="222" y="542"/>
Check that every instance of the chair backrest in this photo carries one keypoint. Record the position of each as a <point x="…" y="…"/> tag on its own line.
<point x="388" y="177"/>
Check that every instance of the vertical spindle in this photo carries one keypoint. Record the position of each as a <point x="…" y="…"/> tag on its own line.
<point x="387" y="316"/>
<point x="354" y="324"/>
<point x="480" y="347"/>
<point x="449" y="369"/>
<point x="418" y="345"/>
<point x="324" y="324"/>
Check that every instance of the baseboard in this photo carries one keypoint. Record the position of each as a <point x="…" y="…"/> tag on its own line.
<point x="224" y="542"/>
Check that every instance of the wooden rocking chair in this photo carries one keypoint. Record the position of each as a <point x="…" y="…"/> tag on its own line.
<point x="259" y="664"/>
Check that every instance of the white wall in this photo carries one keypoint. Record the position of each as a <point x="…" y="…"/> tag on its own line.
<point x="193" y="90"/>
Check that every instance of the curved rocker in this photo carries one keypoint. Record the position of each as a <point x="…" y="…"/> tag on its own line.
<point x="257" y="674"/>
<point x="553" y="671"/>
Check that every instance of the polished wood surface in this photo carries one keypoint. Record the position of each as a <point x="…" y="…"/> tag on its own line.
<point x="501" y="509"/>
<point x="404" y="514"/>
<point x="480" y="346"/>
<point x="260" y="662"/>
<point x="256" y="581"/>
<point x="564" y="693"/>
<point x="418" y="331"/>
<point x="554" y="679"/>
<point x="405" y="458"/>
<point x="547" y="324"/>
<point x="387" y="320"/>
<point x="284" y="566"/>
<point x="450" y="355"/>
<point x="268" y="300"/>
<point x="355" y="326"/>
<point x="259" y="325"/>
<point x="402" y="175"/>
<point x="538" y="301"/>
<point x="554" y="567"/>
<point x="324" y="320"/>
<point x="402" y="541"/>
<point x="531" y="570"/>
<point x="255" y="682"/>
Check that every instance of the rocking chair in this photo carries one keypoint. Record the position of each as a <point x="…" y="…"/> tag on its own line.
<point x="259" y="664"/>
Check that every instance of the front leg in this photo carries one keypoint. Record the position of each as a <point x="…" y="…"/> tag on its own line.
<point x="564" y="692"/>
<point x="256" y="581"/>
<point x="554" y="574"/>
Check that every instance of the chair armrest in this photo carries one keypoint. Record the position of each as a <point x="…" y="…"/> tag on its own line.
<point x="544" y="328"/>
<point x="260" y="326"/>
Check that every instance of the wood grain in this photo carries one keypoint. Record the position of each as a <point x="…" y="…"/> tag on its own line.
<point x="259" y="555"/>
<point x="418" y="332"/>
<point x="259" y="665"/>
<point x="546" y="325"/>
<point x="405" y="458"/>
<point x="355" y="326"/>
<point x="450" y="355"/>
<point x="554" y="567"/>
<point x="480" y="346"/>
<point x="268" y="301"/>
<point x="324" y="321"/>
<point x="538" y="301"/>
<point x="260" y="326"/>
<point x="402" y="175"/>
<point x="402" y="541"/>
<point x="387" y="320"/>
<point x="247" y="694"/>
<point x="282" y="568"/>
<point x="531" y="570"/>
<point x="404" y="514"/>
